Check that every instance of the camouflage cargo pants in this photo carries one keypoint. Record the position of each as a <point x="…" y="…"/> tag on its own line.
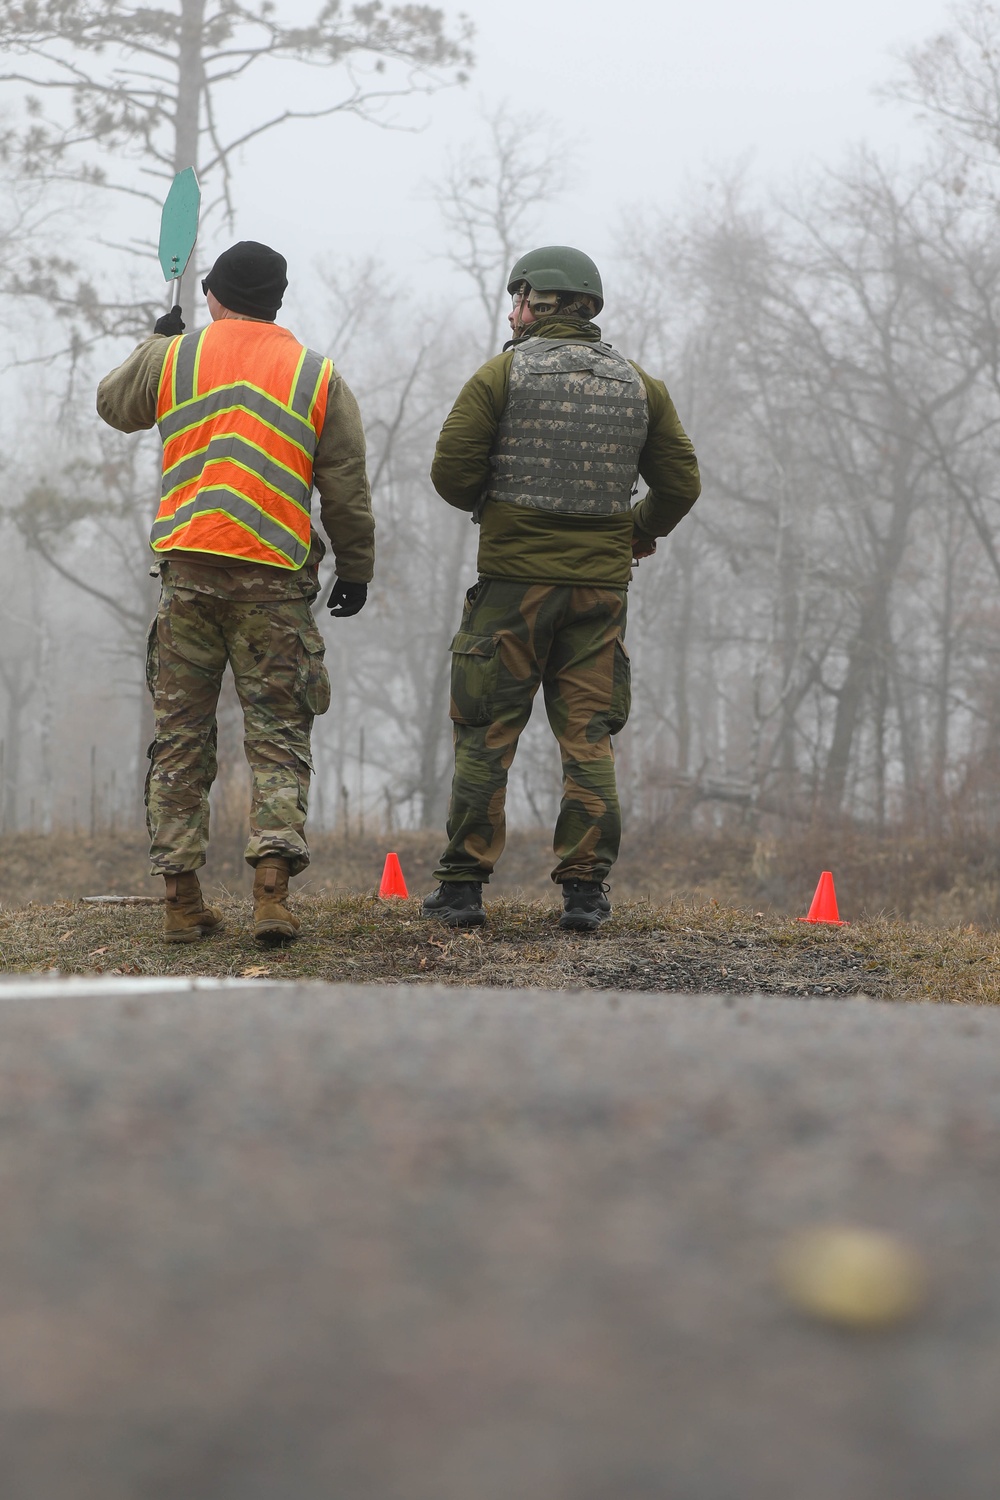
<point x="276" y="653"/>
<point x="514" y="638"/>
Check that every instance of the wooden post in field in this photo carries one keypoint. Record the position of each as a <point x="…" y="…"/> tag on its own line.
<point x="361" y="782"/>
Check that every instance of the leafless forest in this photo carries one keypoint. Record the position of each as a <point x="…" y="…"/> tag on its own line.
<point x="820" y="639"/>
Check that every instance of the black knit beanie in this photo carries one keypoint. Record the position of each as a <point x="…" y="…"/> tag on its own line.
<point x="249" y="278"/>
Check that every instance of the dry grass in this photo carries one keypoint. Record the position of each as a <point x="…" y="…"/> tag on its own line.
<point x="946" y="882"/>
<point x="680" y="946"/>
<point x="693" y="911"/>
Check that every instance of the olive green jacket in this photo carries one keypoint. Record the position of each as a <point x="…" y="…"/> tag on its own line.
<point x="547" y="546"/>
<point x="126" y="399"/>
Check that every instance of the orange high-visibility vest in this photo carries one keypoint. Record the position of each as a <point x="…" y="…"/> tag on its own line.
<point x="240" y="408"/>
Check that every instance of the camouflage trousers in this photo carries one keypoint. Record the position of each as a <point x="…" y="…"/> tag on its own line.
<point x="514" y="638"/>
<point x="276" y="653"/>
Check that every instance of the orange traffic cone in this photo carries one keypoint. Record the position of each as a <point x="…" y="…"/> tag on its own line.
<point x="824" y="903"/>
<point x="393" y="883"/>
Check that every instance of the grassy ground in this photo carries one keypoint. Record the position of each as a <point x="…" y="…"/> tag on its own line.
<point x="678" y="946"/>
<point x="693" y="911"/>
<point x="940" y="881"/>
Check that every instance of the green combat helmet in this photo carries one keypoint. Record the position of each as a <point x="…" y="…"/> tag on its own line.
<point x="558" y="268"/>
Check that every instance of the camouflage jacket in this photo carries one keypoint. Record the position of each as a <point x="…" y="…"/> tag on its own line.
<point x="548" y="546"/>
<point x="126" y="399"/>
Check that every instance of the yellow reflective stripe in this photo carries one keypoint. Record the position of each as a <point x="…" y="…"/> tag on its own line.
<point x="161" y="543"/>
<point x="233" y="385"/>
<point x="303" y="397"/>
<point x="254" y="520"/>
<point x="230" y="458"/>
<point x="308" y="450"/>
<point x="186" y="362"/>
<point x="322" y="379"/>
<point x="293" y="389"/>
<point x="171" y="359"/>
<point x="197" y="363"/>
<point x="225" y="398"/>
<point x="227" y="437"/>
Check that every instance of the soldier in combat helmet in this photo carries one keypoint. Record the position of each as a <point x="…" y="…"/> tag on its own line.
<point x="545" y="446"/>
<point x="250" y="421"/>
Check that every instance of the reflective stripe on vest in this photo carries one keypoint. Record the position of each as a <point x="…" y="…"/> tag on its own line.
<point x="238" y="452"/>
<point x="572" y="430"/>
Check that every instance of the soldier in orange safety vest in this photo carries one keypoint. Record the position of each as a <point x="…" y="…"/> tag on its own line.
<point x="251" y="420"/>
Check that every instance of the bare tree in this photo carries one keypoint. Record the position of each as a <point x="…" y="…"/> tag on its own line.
<point x="837" y="369"/>
<point x="120" y="94"/>
<point x="954" y="81"/>
<point x="490" y="197"/>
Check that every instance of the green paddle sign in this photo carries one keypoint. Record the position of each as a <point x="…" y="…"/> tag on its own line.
<point x="179" y="227"/>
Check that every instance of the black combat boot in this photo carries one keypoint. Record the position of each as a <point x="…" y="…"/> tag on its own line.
<point x="459" y="903"/>
<point x="585" y="906"/>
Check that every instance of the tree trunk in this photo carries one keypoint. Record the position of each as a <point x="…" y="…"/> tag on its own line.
<point x="914" y="801"/>
<point x="20" y="686"/>
<point x="942" y="686"/>
<point x="45" y="716"/>
<point x="867" y="653"/>
<point x="190" y="84"/>
<point x="881" y="707"/>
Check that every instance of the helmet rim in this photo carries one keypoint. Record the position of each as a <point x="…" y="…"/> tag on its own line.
<point x="558" y="268"/>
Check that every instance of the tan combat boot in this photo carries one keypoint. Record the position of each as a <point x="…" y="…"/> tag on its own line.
<point x="272" y="921"/>
<point x="186" y="917"/>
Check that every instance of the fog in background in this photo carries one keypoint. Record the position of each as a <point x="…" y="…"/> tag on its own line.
<point x="796" y="219"/>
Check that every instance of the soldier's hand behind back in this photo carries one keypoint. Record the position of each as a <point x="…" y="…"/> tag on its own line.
<point x="171" y="323"/>
<point x="346" y="599"/>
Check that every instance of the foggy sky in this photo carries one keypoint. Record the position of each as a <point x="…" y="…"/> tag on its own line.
<point x="654" y="96"/>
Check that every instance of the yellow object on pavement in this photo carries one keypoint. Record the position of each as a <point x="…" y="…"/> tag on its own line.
<point x="860" y="1278"/>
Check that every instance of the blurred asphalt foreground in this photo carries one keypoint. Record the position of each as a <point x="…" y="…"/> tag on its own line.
<point x="332" y="1242"/>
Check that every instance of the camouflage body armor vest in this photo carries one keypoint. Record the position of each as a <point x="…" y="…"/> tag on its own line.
<point x="572" y="430"/>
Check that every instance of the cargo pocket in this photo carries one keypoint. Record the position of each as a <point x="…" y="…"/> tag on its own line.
<point x="152" y="657"/>
<point x="314" y="680"/>
<point x="475" y="664"/>
<point x="150" y="756"/>
<point x="621" y="690"/>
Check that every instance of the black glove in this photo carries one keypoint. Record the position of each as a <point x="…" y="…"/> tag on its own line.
<point x="171" y="323"/>
<point x="346" y="599"/>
